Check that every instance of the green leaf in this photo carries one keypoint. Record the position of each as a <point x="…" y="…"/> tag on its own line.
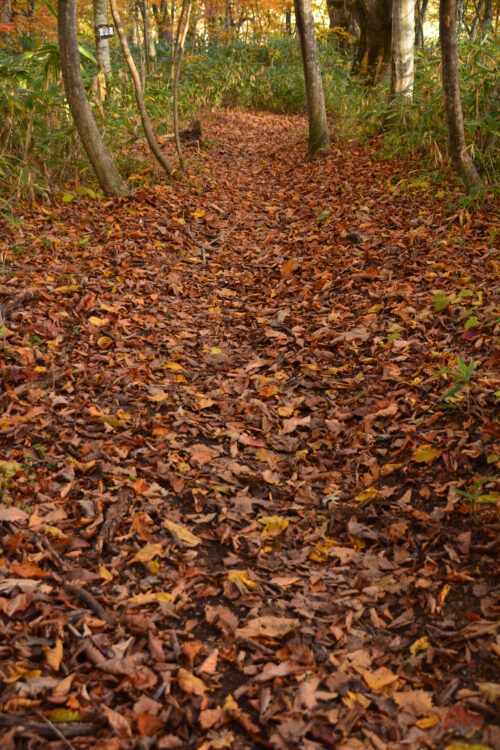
<point x="426" y="454"/>
<point x="471" y="322"/>
<point x="83" y="191"/>
<point x="440" y="301"/>
<point x="63" y="716"/>
<point x="67" y="197"/>
<point x="85" y="53"/>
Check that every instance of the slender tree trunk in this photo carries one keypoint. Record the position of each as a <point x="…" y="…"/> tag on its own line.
<point x="140" y="50"/>
<point x="487" y="22"/>
<point x="451" y="94"/>
<point x="146" y="124"/>
<point x="421" y="7"/>
<point x="288" y="20"/>
<point x="102" y="45"/>
<point x="476" y="23"/>
<point x="403" y="56"/>
<point x="177" y="57"/>
<point x="319" y="142"/>
<point x="91" y="139"/>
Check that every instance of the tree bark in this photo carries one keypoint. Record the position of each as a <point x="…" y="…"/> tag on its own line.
<point x="319" y="142"/>
<point x="374" y="18"/>
<point x="102" y="45"/>
<point x="146" y="124"/>
<point x="403" y="56"/>
<point x="451" y="94"/>
<point x="340" y="20"/>
<point x="487" y="22"/>
<point x="177" y="57"/>
<point x="91" y="139"/>
<point x="421" y="7"/>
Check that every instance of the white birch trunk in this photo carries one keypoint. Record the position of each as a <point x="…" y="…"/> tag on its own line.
<point x="403" y="56"/>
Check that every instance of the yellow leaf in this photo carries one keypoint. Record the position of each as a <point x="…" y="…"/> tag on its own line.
<point x="147" y="553"/>
<point x="190" y="684"/>
<point x="375" y="308"/>
<point x="53" y="531"/>
<point x="175" y="366"/>
<point x="53" y="656"/>
<point x="369" y="494"/>
<point x="150" y="598"/>
<point x="242" y="581"/>
<point x="466" y="746"/>
<point x="230" y="704"/>
<point x="273" y="293"/>
<point x="205" y="403"/>
<point x="351" y="698"/>
<point x="443" y="594"/>
<point x="380" y="679"/>
<point x="427" y="722"/>
<point x="104" y="573"/>
<point x="199" y="213"/>
<point x="68" y="289"/>
<point x="422" y="644"/>
<point x="215" y="350"/>
<point x="96" y="321"/>
<point x="273" y="526"/>
<point x="104" y="342"/>
<point x="181" y="533"/>
<point x="426" y="454"/>
<point x="320" y="553"/>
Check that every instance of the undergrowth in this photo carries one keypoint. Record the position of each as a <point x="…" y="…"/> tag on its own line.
<point x="39" y="152"/>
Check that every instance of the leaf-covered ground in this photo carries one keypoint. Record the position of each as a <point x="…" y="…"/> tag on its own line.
<point x="235" y="512"/>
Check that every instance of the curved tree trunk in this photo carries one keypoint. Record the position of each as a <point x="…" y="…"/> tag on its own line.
<point x="451" y="94"/>
<point x="403" y="56"/>
<point x="91" y="139"/>
<point x="146" y="124"/>
<point x="319" y="142"/>
<point x="102" y="45"/>
<point x="374" y="18"/>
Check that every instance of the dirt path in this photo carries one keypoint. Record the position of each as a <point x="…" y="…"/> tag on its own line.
<point x="229" y="516"/>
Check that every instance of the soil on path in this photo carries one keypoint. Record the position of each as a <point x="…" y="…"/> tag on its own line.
<point x="229" y="513"/>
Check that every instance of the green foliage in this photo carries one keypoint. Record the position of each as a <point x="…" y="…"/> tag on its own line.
<point x="460" y="375"/>
<point x="39" y="151"/>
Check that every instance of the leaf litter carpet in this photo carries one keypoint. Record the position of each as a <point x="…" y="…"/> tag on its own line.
<point x="235" y="512"/>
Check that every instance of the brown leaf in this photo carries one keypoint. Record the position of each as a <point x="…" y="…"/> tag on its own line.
<point x="268" y="627"/>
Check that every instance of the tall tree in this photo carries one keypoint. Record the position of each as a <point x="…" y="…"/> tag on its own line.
<point x="102" y="45"/>
<point x="319" y="142"/>
<point x="403" y="56"/>
<point x="374" y="18"/>
<point x="146" y="123"/>
<point x="107" y="174"/>
<point x="451" y="94"/>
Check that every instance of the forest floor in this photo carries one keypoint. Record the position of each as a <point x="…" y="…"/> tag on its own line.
<point x="229" y="514"/>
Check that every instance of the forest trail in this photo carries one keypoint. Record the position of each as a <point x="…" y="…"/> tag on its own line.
<point x="229" y="517"/>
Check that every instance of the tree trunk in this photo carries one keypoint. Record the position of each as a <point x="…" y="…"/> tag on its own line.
<point x="319" y="142"/>
<point x="374" y="18"/>
<point x="487" y="22"/>
<point x="451" y="94"/>
<point x="403" y="58"/>
<point x="91" y="139"/>
<point x="102" y="45"/>
<point x="146" y="124"/>
<point x="288" y="20"/>
<point x="340" y="20"/>
<point x="421" y="6"/>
